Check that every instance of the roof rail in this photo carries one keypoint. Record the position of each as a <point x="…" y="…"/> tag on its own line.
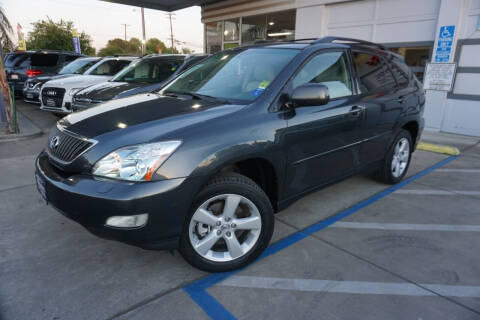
<point x="331" y="39"/>
<point x="282" y="40"/>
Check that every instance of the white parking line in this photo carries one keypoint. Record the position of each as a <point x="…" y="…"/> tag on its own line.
<point x="458" y="170"/>
<point x="352" y="287"/>
<point x="404" y="226"/>
<point x="424" y="192"/>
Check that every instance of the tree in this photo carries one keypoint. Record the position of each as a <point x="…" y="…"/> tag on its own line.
<point x="51" y="35"/>
<point x="187" y="50"/>
<point x="153" y="45"/>
<point x="5" y="32"/>
<point x="120" y="46"/>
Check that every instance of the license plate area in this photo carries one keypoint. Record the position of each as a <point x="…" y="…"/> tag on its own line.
<point x="51" y="102"/>
<point x="29" y="96"/>
<point x="14" y="76"/>
<point x="41" y="188"/>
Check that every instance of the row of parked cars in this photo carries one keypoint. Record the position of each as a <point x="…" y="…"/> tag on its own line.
<point x="64" y="82"/>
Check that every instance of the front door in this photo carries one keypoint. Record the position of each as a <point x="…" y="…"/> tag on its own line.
<point x="322" y="141"/>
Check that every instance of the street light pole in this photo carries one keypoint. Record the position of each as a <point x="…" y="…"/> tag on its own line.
<point x="125" y="26"/>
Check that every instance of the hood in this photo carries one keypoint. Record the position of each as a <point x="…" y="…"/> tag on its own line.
<point x="111" y="90"/>
<point x="82" y="80"/>
<point x="147" y="110"/>
<point x="43" y="79"/>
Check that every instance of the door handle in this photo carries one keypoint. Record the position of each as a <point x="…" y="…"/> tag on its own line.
<point x="355" y="111"/>
<point x="401" y="99"/>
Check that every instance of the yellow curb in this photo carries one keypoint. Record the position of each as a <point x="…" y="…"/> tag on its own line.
<point x="437" y="148"/>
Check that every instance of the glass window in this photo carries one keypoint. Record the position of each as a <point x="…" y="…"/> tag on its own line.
<point x="330" y="69"/>
<point x="16" y="59"/>
<point x="372" y="72"/>
<point x="416" y="58"/>
<point x="214" y="36"/>
<point x="400" y="71"/>
<point x="275" y="26"/>
<point x="78" y="66"/>
<point x="238" y="75"/>
<point x="254" y="28"/>
<point x="230" y="31"/>
<point x="148" y="71"/>
<point x="281" y="25"/>
<point x="108" y="67"/>
<point x="44" y="60"/>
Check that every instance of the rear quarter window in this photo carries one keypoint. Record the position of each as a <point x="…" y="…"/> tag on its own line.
<point x="16" y="59"/>
<point x="401" y="72"/>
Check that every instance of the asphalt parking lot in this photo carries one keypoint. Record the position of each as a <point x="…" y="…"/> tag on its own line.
<point x="355" y="250"/>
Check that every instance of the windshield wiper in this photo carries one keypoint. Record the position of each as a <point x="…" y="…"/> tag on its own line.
<point x="194" y="95"/>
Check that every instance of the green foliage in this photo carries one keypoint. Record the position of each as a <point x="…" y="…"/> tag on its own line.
<point x="187" y="51"/>
<point x="122" y="47"/>
<point x="153" y="44"/>
<point x="51" y="35"/>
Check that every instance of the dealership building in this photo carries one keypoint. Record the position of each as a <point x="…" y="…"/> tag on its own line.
<point x="423" y="31"/>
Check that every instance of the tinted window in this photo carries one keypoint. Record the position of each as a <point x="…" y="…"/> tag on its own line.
<point x="44" y="60"/>
<point x="108" y="67"/>
<point x="16" y="59"/>
<point x="372" y="72"/>
<point x="330" y="69"/>
<point x="240" y="75"/>
<point x="401" y="72"/>
<point x="78" y="66"/>
<point x="149" y="70"/>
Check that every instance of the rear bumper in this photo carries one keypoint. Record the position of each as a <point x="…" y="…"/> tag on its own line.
<point x="90" y="201"/>
<point x="18" y="86"/>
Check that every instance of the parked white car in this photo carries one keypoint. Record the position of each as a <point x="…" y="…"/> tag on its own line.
<point x="56" y="95"/>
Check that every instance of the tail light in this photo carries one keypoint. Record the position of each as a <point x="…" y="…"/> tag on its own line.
<point x="33" y="72"/>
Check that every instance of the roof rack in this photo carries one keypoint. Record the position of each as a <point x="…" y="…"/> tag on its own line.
<point x="283" y="40"/>
<point x="333" y="39"/>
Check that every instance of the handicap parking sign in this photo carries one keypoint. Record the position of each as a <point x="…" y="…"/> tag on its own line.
<point x="444" y="43"/>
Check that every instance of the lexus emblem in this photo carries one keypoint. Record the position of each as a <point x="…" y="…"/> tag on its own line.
<point x="54" y="142"/>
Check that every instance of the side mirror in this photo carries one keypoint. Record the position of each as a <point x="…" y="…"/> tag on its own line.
<point x="310" y="94"/>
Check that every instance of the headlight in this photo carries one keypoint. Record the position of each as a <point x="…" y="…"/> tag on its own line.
<point x="74" y="90"/>
<point x="135" y="163"/>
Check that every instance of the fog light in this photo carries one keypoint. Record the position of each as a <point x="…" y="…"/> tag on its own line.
<point x="138" y="220"/>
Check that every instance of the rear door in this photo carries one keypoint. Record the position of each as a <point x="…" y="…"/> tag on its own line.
<point x="377" y="90"/>
<point x="322" y="141"/>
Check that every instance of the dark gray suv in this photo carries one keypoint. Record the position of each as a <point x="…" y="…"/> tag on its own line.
<point x="203" y="164"/>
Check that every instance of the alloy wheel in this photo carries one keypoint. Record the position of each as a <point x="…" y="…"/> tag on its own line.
<point x="225" y="227"/>
<point x="401" y="156"/>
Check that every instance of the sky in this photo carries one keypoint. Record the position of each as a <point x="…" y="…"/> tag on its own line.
<point x="103" y="20"/>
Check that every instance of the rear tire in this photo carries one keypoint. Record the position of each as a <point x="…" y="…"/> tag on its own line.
<point x="396" y="163"/>
<point x="229" y="225"/>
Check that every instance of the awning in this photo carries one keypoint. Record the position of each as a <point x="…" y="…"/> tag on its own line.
<point x="164" y="5"/>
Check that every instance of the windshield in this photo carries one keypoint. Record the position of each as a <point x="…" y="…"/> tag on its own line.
<point x="78" y="66"/>
<point x="107" y="67"/>
<point x="151" y="70"/>
<point x="238" y="75"/>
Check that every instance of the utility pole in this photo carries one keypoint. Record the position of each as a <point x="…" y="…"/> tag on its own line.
<point x="170" y="15"/>
<point x="144" y="40"/>
<point x="125" y="26"/>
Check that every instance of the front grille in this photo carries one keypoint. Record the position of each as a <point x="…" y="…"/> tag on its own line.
<point x="83" y="103"/>
<point x="65" y="147"/>
<point x="53" y="97"/>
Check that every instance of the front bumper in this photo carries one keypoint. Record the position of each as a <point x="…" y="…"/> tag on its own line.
<point x="31" y="96"/>
<point x="90" y="201"/>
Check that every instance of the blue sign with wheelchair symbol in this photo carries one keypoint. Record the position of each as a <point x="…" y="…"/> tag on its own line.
<point x="445" y="43"/>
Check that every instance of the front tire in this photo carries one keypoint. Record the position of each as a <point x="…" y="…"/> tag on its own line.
<point x="397" y="160"/>
<point x="230" y="224"/>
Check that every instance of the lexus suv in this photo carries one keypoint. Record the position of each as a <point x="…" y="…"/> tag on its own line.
<point x="203" y="164"/>
<point x="145" y="75"/>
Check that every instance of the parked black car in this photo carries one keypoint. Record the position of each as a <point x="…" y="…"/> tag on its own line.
<point x="32" y="86"/>
<point x="203" y="164"/>
<point x="146" y="75"/>
<point x="21" y="65"/>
